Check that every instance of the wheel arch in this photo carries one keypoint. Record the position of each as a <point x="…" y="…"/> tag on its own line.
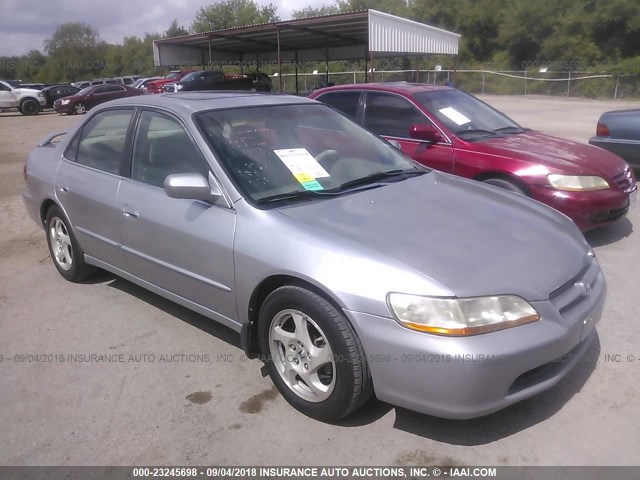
<point x="44" y="209"/>
<point x="504" y="176"/>
<point x="249" y="331"/>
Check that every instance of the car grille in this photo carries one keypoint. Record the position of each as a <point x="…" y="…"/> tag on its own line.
<point x="577" y="290"/>
<point x="624" y="180"/>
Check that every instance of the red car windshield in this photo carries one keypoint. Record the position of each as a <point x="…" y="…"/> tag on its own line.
<point x="465" y="115"/>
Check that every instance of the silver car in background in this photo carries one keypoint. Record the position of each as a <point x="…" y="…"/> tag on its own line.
<point x="345" y="266"/>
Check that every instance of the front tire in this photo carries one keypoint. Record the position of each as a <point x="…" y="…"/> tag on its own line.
<point x="66" y="254"/>
<point x="313" y="354"/>
<point x="79" y="108"/>
<point x="29" y="106"/>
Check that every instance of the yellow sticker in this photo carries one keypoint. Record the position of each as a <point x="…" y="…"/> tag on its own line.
<point x="304" y="177"/>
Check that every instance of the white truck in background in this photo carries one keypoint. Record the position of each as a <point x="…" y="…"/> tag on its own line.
<point x="26" y="100"/>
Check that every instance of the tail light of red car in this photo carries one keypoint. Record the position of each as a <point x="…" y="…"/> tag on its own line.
<point x="602" y="130"/>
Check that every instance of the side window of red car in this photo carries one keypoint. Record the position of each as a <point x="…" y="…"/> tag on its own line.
<point x="391" y="115"/>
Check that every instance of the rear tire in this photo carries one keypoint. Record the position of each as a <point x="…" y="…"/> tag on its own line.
<point x="506" y="184"/>
<point x="313" y="354"/>
<point x="66" y="254"/>
<point x="29" y="107"/>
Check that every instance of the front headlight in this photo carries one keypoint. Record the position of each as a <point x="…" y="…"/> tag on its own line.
<point x="179" y="86"/>
<point x="65" y="102"/>
<point x="577" y="183"/>
<point x="460" y="316"/>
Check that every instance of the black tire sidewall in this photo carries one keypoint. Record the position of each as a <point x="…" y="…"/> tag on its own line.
<point x="298" y="298"/>
<point x="75" y="112"/>
<point x="30" y="111"/>
<point x="77" y="270"/>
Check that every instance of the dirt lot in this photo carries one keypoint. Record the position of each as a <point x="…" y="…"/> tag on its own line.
<point x="168" y="405"/>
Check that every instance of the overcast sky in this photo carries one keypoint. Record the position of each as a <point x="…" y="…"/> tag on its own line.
<point x="25" y="24"/>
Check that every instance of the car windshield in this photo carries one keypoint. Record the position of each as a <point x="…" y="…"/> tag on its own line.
<point x="300" y="152"/>
<point x="172" y="75"/>
<point x="465" y="115"/>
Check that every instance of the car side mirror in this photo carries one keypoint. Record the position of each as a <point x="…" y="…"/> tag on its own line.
<point x="191" y="186"/>
<point x="425" y="132"/>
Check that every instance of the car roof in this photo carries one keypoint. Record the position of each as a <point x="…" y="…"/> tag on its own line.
<point x="406" y="88"/>
<point x="187" y="103"/>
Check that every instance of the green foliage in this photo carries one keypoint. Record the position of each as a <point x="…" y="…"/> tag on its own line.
<point x="74" y="51"/>
<point x="233" y="13"/>
<point x="175" y="30"/>
<point x="395" y="7"/>
<point x="309" y="12"/>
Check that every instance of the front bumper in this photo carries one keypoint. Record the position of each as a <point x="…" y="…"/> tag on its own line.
<point x="67" y="109"/>
<point x="473" y="376"/>
<point x="587" y="209"/>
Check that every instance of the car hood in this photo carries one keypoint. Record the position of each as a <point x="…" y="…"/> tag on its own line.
<point x="556" y="153"/>
<point x="471" y="238"/>
<point x="27" y="90"/>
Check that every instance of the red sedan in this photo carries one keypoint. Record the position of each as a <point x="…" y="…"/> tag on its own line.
<point x="89" y="97"/>
<point x="453" y="131"/>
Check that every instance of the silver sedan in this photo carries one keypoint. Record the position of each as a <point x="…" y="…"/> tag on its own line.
<point x="346" y="267"/>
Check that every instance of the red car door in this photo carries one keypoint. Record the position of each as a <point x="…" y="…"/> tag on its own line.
<point x="392" y="116"/>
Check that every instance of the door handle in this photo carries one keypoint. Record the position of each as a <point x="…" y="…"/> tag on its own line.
<point x="63" y="189"/>
<point x="129" y="212"/>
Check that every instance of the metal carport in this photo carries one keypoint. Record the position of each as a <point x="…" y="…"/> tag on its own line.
<point x="344" y="36"/>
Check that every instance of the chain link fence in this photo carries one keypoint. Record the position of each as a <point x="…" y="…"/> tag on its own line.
<point x="514" y="82"/>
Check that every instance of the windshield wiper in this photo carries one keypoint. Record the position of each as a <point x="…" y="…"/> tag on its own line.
<point x="296" y="194"/>
<point x="510" y="129"/>
<point x="477" y="131"/>
<point x="377" y="176"/>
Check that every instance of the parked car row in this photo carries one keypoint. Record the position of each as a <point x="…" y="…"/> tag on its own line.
<point x="342" y="263"/>
<point x="107" y="81"/>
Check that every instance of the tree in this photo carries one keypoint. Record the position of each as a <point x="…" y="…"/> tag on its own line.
<point x="309" y="12"/>
<point x="74" y="51"/>
<point x="233" y="13"/>
<point x="396" y="7"/>
<point x="175" y="30"/>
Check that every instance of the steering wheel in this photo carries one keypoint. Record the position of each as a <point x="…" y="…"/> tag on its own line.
<point x="325" y="155"/>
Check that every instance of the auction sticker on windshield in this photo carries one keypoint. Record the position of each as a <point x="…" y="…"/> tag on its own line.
<point x="303" y="166"/>
<point x="454" y="115"/>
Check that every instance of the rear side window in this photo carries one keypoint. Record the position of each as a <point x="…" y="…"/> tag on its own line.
<point x="345" y="102"/>
<point x="101" y="142"/>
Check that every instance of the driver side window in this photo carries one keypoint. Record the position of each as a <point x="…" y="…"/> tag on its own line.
<point x="161" y="148"/>
<point x="391" y="115"/>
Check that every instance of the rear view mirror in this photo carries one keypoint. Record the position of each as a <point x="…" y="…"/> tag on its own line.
<point x="428" y="133"/>
<point x="191" y="186"/>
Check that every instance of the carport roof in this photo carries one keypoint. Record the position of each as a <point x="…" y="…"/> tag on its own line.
<point x="337" y="37"/>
